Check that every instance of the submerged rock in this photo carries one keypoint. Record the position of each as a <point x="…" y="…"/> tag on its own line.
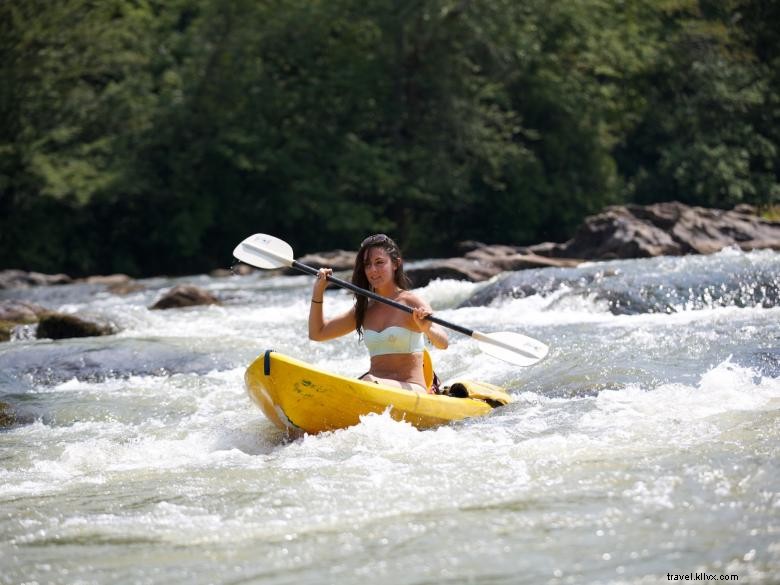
<point x="185" y="295"/>
<point x="98" y="359"/>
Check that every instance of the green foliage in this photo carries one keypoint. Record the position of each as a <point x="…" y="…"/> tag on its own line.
<point x="149" y="137"/>
<point x="704" y="138"/>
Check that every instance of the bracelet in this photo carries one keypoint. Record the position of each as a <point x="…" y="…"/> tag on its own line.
<point x="318" y="302"/>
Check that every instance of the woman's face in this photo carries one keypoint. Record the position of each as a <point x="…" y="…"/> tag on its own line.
<point x="379" y="267"/>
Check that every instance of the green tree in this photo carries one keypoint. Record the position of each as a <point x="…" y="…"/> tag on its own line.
<point x="75" y="84"/>
<point x="701" y="140"/>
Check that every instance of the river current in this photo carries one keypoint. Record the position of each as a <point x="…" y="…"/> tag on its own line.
<point x="644" y="448"/>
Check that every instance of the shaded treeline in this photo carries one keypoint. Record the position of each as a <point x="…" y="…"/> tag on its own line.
<point x="150" y="137"/>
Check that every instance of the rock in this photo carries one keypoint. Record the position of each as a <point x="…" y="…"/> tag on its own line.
<point x="546" y="249"/>
<point x="22" y="279"/>
<point x="636" y="231"/>
<point x="451" y="268"/>
<point x="185" y="295"/>
<point x="517" y="258"/>
<point x="15" y="313"/>
<point x="7" y="418"/>
<point x="118" y="284"/>
<point x="621" y="231"/>
<point x="20" y="312"/>
<point x="338" y="260"/>
<point x="483" y="263"/>
<point x="109" y="279"/>
<point x="617" y="233"/>
<point x="125" y="288"/>
<point x="63" y="326"/>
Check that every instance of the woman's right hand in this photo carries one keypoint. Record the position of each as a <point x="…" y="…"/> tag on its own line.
<point x="321" y="283"/>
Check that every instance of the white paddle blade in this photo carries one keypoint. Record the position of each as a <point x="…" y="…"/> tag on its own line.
<point x="514" y="348"/>
<point x="264" y="251"/>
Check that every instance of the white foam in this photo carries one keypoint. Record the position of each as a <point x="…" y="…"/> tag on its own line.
<point x="677" y="412"/>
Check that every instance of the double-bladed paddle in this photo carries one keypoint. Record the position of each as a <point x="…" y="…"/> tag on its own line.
<point x="268" y="252"/>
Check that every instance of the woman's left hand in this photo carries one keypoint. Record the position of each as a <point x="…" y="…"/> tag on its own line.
<point x="419" y="315"/>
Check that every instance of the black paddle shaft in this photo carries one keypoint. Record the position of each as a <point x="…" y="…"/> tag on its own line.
<point x="372" y="295"/>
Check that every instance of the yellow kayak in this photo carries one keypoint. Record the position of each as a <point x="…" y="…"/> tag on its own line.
<point x="300" y="398"/>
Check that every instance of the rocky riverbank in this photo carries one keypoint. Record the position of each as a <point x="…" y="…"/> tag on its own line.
<point x="619" y="232"/>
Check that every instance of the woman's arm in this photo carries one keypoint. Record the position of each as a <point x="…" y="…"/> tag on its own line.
<point x="433" y="331"/>
<point x="321" y="329"/>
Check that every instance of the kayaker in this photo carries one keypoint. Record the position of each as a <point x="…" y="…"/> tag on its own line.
<point x="394" y="338"/>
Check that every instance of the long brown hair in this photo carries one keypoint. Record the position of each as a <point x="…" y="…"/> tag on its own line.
<point x="360" y="279"/>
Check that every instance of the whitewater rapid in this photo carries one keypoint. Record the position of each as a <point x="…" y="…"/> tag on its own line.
<point x="646" y="444"/>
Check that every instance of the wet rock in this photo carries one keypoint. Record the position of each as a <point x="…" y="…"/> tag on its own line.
<point x="185" y="295"/>
<point x="617" y="233"/>
<point x="23" y="279"/>
<point x="14" y="313"/>
<point x="7" y="418"/>
<point x="64" y="326"/>
<point x="20" y="311"/>
<point x="674" y="229"/>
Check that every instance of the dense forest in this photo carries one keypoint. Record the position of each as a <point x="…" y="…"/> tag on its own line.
<point x="151" y="136"/>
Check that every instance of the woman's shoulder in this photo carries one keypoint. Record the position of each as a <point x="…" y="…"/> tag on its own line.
<point x="413" y="300"/>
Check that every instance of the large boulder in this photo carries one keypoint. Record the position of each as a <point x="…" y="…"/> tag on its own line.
<point x="185" y="295"/>
<point x="64" y="326"/>
<point x="618" y="233"/>
<point x="673" y="228"/>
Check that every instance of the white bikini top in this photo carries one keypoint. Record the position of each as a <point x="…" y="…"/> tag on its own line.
<point x="393" y="339"/>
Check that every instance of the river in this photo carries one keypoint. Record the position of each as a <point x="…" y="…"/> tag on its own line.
<point x="646" y="446"/>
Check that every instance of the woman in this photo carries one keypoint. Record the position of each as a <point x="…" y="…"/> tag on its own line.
<point x="394" y="338"/>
